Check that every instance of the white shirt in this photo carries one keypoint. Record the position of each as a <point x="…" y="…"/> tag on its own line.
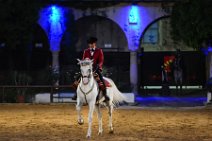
<point x="92" y="51"/>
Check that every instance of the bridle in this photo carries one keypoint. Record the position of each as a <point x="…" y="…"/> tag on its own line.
<point x="88" y="76"/>
<point x="86" y="93"/>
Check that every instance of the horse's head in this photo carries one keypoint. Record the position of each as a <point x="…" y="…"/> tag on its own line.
<point x="86" y="69"/>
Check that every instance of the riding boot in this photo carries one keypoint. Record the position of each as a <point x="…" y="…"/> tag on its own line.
<point x="104" y="92"/>
<point x="100" y="81"/>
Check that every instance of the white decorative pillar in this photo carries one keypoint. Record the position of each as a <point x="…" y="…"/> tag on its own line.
<point x="55" y="67"/>
<point x="55" y="40"/>
<point x="134" y="72"/>
<point x="55" y="59"/>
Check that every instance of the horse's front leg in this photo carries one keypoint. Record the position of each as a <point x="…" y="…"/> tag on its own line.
<point x="78" y="108"/>
<point x="110" y="112"/>
<point x="90" y="117"/>
<point x="99" y="114"/>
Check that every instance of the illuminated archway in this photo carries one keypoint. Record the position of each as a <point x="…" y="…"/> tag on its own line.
<point x="112" y="39"/>
<point x="154" y="53"/>
<point x="157" y="37"/>
<point x="110" y="36"/>
<point x="156" y="34"/>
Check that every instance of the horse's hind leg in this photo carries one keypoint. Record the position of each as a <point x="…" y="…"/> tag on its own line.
<point x="78" y="108"/>
<point x="90" y="118"/>
<point x="99" y="114"/>
<point x="110" y="112"/>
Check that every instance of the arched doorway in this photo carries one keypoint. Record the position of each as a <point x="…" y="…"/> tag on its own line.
<point x="156" y="46"/>
<point x="113" y="41"/>
<point x="40" y="56"/>
<point x="110" y="35"/>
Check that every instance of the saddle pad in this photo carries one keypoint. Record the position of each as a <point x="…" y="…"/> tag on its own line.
<point x="107" y="83"/>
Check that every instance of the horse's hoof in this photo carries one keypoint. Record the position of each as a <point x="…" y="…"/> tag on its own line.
<point x="111" y="132"/>
<point x="80" y="122"/>
<point x="100" y="133"/>
<point x="88" y="137"/>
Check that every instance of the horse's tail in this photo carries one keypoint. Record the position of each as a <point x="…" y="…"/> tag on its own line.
<point x="118" y="97"/>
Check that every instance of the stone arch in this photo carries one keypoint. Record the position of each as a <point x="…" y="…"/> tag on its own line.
<point x="165" y="42"/>
<point x="146" y="29"/>
<point x="146" y="75"/>
<point x="40" y="55"/>
<point x="110" y="35"/>
<point x="155" y="20"/>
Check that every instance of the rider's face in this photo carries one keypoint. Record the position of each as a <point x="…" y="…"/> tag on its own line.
<point x="92" y="45"/>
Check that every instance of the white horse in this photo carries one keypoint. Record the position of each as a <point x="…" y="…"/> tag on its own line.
<point x="87" y="93"/>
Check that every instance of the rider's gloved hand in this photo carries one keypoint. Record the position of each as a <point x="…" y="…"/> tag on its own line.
<point x="98" y="69"/>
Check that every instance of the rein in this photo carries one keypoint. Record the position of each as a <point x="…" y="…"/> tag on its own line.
<point x="86" y="93"/>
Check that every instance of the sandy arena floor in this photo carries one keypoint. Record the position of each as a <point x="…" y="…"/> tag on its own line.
<point x="57" y="122"/>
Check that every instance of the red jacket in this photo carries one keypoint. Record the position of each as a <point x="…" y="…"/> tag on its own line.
<point x="98" y="57"/>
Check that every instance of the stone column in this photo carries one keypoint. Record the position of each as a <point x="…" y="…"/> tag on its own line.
<point x="55" y="59"/>
<point x="55" y="66"/>
<point x="134" y="72"/>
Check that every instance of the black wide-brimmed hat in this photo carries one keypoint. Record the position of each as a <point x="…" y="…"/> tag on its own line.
<point x="92" y="40"/>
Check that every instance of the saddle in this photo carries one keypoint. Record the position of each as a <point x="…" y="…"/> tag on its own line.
<point x="101" y="85"/>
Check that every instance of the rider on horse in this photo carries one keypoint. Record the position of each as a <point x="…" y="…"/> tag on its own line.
<point x="95" y="54"/>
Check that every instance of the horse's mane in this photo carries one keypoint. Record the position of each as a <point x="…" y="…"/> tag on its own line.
<point x="85" y="62"/>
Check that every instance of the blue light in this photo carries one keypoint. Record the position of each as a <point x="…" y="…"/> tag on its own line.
<point x="55" y="15"/>
<point x="206" y="50"/>
<point x="134" y="15"/>
<point x="57" y="26"/>
<point x="209" y="49"/>
<point x="134" y="20"/>
<point x="171" y="101"/>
